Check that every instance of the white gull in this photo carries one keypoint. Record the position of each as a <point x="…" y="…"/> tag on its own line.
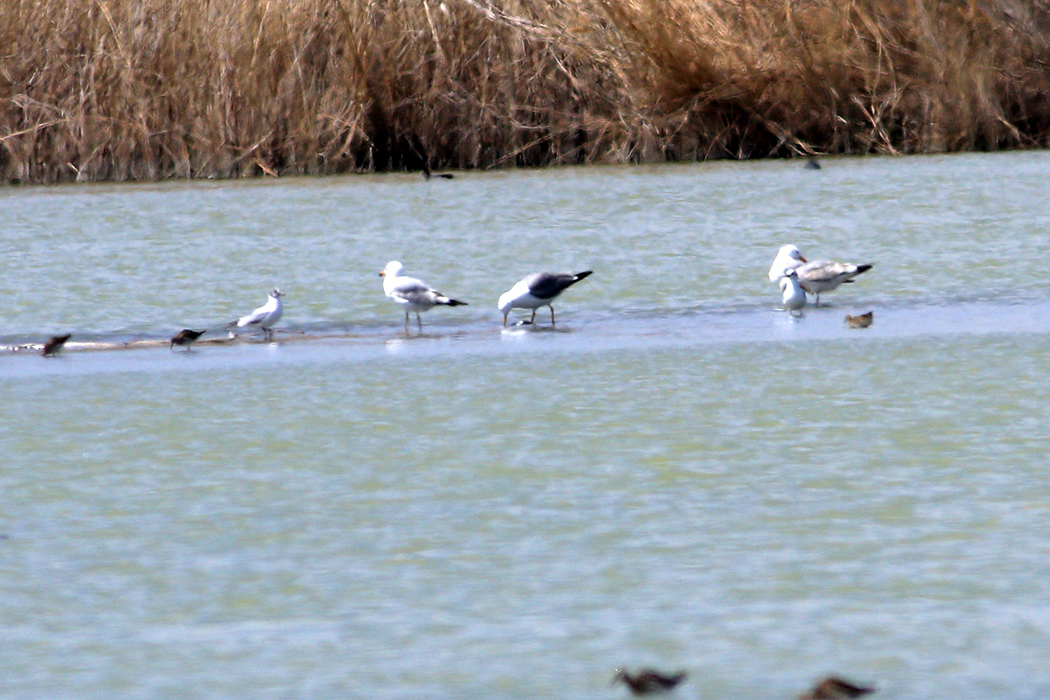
<point x="412" y="294"/>
<point x="538" y="290"/>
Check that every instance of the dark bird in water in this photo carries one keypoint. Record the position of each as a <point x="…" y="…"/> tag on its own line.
<point x="832" y="688"/>
<point x="860" y="320"/>
<point x="812" y="164"/>
<point x="535" y="291"/>
<point x="648" y="681"/>
<point x="185" y="338"/>
<point x="54" y="346"/>
<point x="427" y="174"/>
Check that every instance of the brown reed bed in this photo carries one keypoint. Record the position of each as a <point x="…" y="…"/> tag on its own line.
<point x="148" y="89"/>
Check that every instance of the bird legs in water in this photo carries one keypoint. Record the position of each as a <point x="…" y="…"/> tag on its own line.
<point x="419" y="322"/>
<point x="533" y="320"/>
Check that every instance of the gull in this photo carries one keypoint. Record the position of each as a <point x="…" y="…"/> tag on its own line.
<point x="832" y="688"/>
<point x="537" y="290"/>
<point x="185" y="338"/>
<point x="794" y="296"/>
<point x="860" y="320"/>
<point x="648" y="681"/>
<point x="815" y="276"/>
<point x="265" y="316"/>
<point x="412" y="294"/>
<point x="54" y="346"/>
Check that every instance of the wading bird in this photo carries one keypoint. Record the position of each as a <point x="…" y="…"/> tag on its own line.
<point x="265" y="316"/>
<point x="54" y="346"/>
<point x="412" y="294"/>
<point x="817" y="276"/>
<point x="185" y="338"/>
<point x="538" y="290"/>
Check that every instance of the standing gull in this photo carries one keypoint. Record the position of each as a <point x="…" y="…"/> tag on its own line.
<point x="412" y="294"/>
<point x="794" y="297"/>
<point x="817" y="276"/>
<point x="265" y="316"/>
<point x="185" y="338"/>
<point x="537" y="290"/>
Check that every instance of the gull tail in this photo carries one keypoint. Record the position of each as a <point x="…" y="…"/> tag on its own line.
<point x="451" y="302"/>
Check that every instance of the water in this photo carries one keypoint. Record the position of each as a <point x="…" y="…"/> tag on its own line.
<point x="678" y="476"/>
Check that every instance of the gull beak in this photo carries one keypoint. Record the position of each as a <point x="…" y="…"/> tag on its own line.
<point x="382" y="273"/>
<point x="802" y="259"/>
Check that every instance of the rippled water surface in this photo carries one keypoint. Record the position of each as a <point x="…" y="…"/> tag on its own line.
<point x="677" y="476"/>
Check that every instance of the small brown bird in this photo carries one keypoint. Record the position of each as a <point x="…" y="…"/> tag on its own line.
<point x="860" y="320"/>
<point x="54" y="346"/>
<point x="832" y="688"/>
<point x="185" y="338"/>
<point x="648" y="681"/>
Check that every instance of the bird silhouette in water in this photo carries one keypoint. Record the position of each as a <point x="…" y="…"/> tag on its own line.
<point x="185" y="338"/>
<point x="54" y="346"/>
<point x="648" y="681"/>
<point x="834" y="688"/>
<point x="427" y="174"/>
<point x="860" y="320"/>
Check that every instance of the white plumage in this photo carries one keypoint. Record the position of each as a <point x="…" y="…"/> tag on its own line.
<point x="538" y="290"/>
<point x="815" y="276"/>
<point x="412" y="294"/>
<point x="266" y="315"/>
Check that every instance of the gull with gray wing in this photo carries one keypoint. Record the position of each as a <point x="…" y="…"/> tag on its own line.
<point x="538" y="290"/>
<point x="817" y="276"/>
<point x="412" y="294"/>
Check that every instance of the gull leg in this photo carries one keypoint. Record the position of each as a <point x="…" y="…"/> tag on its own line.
<point x="406" y="323"/>
<point x="551" y="307"/>
<point x="419" y="322"/>
<point x="533" y="316"/>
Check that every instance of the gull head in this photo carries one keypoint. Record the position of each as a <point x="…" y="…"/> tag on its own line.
<point x="792" y="252"/>
<point x="787" y="257"/>
<point x="392" y="269"/>
<point x="276" y="293"/>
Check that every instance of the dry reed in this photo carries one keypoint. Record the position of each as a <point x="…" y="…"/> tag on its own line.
<point x="147" y="89"/>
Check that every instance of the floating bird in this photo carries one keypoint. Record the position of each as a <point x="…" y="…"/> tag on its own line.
<point x="185" y="338"/>
<point x="648" y="681"/>
<point x="537" y="290"/>
<point x="860" y="320"/>
<point x="794" y="296"/>
<point x="412" y="294"/>
<point x="54" y="346"/>
<point x="812" y="163"/>
<point x="832" y="688"/>
<point x="265" y="316"/>
<point x="817" y="276"/>
<point x="427" y="174"/>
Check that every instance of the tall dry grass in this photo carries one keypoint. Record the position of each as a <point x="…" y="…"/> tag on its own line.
<point x="146" y="89"/>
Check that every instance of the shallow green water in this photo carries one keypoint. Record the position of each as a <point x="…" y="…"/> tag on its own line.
<point x="680" y="476"/>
